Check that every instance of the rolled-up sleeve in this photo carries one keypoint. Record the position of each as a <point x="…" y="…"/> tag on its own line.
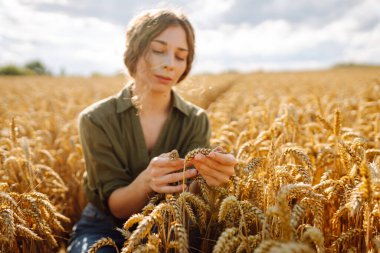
<point x="105" y="172"/>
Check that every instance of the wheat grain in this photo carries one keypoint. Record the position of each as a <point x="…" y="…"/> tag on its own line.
<point x="102" y="242"/>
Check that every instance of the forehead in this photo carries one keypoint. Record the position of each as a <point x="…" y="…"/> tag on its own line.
<point x="173" y="36"/>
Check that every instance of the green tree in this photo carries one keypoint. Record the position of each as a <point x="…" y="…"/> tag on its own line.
<point x="12" y="70"/>
<point x="37" y="67"/>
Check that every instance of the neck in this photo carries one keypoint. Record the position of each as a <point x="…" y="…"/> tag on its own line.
<point x="151" y="102"/>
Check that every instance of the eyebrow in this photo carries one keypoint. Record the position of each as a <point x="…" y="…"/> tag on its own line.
<point x="165" y="44"/>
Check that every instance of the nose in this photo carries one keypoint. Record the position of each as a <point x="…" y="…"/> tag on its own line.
<point x="169" y="62"/>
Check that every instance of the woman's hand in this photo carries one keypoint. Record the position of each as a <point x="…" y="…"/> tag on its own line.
<point x="162" y="172"/>
<point x="216" y="168"/>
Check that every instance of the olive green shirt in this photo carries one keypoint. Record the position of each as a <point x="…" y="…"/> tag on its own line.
<point x="114" y="146"/>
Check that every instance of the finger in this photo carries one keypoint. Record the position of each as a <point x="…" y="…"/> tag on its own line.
<point x="219" y="176"/>
<point x="175" y="177"/>
<point x="160" y="172"/>
<point x="164" y="155"/>
<point x="171" y="188"/>
<point x="157" y="172"/>
<point x="213" y="180"/>
<point x="219" y="149"/>
<point x="210" y="181"/>
<point x="225" y="159"/>
<point x="169" y="155"/>
<point x="162" y="161"/>
<point x="169" y="169"/>
<point x="213" y="165"/>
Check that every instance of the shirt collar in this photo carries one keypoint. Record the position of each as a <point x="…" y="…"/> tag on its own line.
<point x="123" y="99"/>
<point x="124" y="102"/>
<point x="180" y="104"/>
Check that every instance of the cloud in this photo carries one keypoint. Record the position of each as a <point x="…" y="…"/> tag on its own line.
<point x="85" y="36"/>
<point x="284" y="44"/>
<point x="118" y="12"/>
<point x="207" y="13"/>
<point x="364" y="47"/>
<point x="75" y="44"/>
<point x="254" y="12"/>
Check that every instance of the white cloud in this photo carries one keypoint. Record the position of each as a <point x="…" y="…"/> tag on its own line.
<point x="204" y="12"/>
<point x="60" y="2"/>
<point x="276" y="44"/>
<point x="85" y="43"/>
<point x="364" y="47"/>
<point x="79" y="45"/>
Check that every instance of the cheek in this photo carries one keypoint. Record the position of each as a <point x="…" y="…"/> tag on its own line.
<point x="181" y="69"/>
<point x="153" y="61"/>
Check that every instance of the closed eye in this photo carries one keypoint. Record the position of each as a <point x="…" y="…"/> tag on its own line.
<point x="180" y="58"/>
<point x="157" y="51"/>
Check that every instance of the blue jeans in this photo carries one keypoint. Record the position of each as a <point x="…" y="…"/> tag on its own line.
<point x="95" y="224"/>
<point x="92" y="226"/>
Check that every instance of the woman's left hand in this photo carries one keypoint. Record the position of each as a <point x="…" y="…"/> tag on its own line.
<point x="216" y="168"/>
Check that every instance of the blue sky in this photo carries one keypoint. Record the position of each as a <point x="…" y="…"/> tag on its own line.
<point x="87" y="36"/>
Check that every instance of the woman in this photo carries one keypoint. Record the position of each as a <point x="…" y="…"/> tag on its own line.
<point x="127" y="138"/>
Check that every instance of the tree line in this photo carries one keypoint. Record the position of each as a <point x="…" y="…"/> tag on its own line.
<point x="31" y="68"/>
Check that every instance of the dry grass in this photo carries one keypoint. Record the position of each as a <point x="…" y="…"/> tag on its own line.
<point x="308" y="146"/>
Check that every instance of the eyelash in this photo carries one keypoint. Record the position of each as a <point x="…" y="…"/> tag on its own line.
<point x="157" y="52"/>
<point x="161" y="52"/>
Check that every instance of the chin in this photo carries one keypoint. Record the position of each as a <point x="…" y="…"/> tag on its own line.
<point x="160" y="88"/>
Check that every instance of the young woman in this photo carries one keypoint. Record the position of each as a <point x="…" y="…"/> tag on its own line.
<point x="127" y="138"/>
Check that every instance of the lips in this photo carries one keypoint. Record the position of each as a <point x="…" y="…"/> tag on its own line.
<point x="164" y="79"/>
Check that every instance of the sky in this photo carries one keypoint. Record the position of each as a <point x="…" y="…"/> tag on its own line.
<point x="83" y="37"/>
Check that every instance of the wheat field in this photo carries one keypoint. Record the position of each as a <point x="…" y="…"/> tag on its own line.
<point x="307" y="178"/>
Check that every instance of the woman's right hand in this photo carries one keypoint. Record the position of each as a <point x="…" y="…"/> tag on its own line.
<point x="162" y="172"/>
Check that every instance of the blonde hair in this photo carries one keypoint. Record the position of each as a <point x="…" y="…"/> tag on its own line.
<point x="148" y="25"/>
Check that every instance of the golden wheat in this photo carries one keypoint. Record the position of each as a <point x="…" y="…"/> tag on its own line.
<point x="308" y="154"/>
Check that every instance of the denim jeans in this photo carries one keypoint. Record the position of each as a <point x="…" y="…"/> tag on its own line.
<point x="92" y="226"/>
<point x="95" y="224"/>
